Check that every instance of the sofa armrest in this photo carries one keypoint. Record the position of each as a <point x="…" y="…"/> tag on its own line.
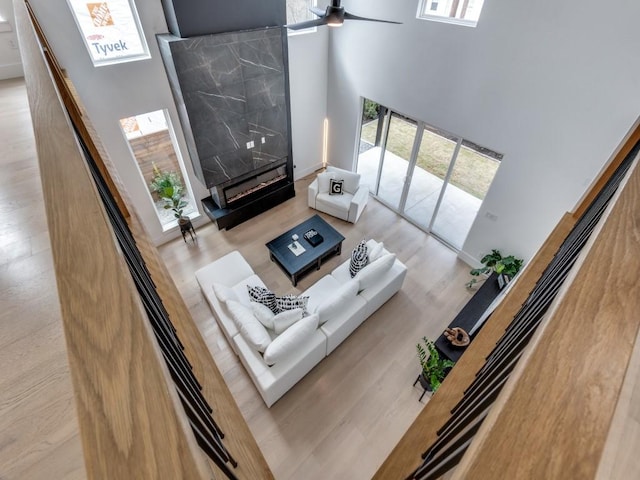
<point x="313" y="193"/>
<point x="358" y="203"/>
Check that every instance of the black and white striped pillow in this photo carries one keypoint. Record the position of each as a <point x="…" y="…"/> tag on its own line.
<point x="359" y="258"/>
<point x="290" y="302"/>
<point x="264" y="296"/>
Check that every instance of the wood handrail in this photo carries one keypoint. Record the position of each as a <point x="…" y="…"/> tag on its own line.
<point x="559" y="402"/>
<point x="132" y="423"/>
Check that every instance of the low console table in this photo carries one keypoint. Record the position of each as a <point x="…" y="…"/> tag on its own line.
<point x="469" y="316"/>
<point x="296" y="261"/>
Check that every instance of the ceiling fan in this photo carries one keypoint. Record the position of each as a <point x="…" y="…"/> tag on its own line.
<point x="334" y="16"/>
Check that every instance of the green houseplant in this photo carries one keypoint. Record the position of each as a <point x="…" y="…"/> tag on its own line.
<point x="434" y="368"/>
<point x="168" y="186"/>
<point x="495" y="262"/>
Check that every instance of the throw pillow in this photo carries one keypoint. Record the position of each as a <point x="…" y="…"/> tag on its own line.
<point x="335" y="187"/>
<point x="263" y="314"/>
<point x="338" y="301"/>
<point x="358" y="258"/>
<point x="323" y="181"/>
<point x="292" y="339"/>
<point x="250" y="328"/>
<point x="372" y="272"/>
<point x="285" y="319"/>
<point x="264" y="296"/>
<point x="376" y="252"/>
<point x="224" y="293"/>
<point x="289" y="302"/>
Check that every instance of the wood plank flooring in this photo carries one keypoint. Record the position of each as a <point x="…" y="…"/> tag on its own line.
<point x="38" y="427"/>
<point x="345" y="416"/>
<point x="339" y="422"/>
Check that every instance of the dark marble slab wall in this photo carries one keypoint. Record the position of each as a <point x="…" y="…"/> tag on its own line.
<point x="232" y="94"/>
<point x="227" y="64"/>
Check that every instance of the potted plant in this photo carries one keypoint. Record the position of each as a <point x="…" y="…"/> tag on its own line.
<point x="168" y="186"/>
<point x="434" y="368"/>
<point x="505" y="267"/>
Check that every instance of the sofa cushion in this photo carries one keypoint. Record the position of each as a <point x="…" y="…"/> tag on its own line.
<point x="263" y="314"/>
<point x="324" y="180"/>
<point x="358" y="258"/>
<point x="338" y="302"/>
<point x="289" y="302"/>
<point x="320" y="291"/>
<point x="335" y="186"/>
<point x="337" y="203"/>
<point x="351" y="179"/>
<point x="290" y="340"/>
<point x="250" y="328"/>
<point x="264" y="296"/>
<point x="285" y="319"/>
<point x="376" y="252"/>
<point x="223" y="292"/>
<point x="372" y="272"/>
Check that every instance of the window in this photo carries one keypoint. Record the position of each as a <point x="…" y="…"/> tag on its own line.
<point x="152" y="144"/>
<point x="434" y="179"/>
<point x="298" y="11"/>
<point x="111" y="31"/>
<point x="464" y="12"/>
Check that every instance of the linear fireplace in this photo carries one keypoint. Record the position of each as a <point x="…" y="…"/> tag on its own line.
<point x="240" y="191"/>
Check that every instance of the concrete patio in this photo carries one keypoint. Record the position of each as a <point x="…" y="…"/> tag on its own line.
<point x="457" y="210"/>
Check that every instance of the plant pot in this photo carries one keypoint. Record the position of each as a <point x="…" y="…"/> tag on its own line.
<point x="184" y="222"/>
<point x="425" y="382"/>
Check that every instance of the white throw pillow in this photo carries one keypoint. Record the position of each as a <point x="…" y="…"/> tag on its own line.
<point x="224" y="293"/>
<point x="351" y="181"/>
<point x="291" y="339"/>
<point x="338" y="301"/>
<point x="372" y="272"/>
<point x="263" y="313"/>
<point x="324" y="179"/>
<point x="376" y="252"/>
<point x="250" y="328"/>
<point x="285" y="319"/>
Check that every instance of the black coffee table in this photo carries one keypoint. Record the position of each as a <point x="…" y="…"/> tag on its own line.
<point x="294" y="266"/>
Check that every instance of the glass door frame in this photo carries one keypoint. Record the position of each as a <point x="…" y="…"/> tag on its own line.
<point x="415" y="149"/>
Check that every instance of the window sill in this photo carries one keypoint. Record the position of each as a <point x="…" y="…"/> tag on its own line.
<point x="450" y="20"/>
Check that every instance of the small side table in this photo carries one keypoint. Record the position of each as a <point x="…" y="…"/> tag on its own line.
<point x="187" y="227"/>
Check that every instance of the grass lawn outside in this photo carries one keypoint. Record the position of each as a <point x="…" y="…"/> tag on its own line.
<point x="473" y="171"/>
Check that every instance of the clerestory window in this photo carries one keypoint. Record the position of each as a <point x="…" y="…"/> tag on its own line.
<point x="111" y="31"/>
<point x="463" y="12"/>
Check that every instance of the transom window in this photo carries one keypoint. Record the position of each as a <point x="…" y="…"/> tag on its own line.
<point x="463" y="12"/>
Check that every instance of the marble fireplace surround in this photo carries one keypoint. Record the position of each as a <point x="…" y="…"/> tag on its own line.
<point x="232" y="94"/>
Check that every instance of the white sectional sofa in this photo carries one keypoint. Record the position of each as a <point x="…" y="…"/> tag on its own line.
<point x="337" y="305"/>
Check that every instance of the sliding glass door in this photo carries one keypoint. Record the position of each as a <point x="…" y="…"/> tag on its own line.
<point x="435" y="179"/>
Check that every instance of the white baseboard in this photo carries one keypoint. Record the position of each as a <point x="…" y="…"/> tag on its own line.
<point x="298" y="173"/>
<point x="12" y="70"/>
<point x="469" y="260"/>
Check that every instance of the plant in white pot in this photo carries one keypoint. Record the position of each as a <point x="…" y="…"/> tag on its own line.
<point x="168" y="186"/>
<point x="494" y="262"/>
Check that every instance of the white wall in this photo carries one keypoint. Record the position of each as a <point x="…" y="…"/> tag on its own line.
<point x="552" y="86"/>
<point x="10" y="62"/>
<point x="113" y="92"/>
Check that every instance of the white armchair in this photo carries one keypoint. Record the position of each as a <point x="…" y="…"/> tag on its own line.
<point x="346" y="200"/>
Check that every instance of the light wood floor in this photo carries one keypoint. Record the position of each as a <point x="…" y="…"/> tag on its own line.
<point x="38" y="428"/>
<point x="339" y="422"/>
<point x="345" y="416"/>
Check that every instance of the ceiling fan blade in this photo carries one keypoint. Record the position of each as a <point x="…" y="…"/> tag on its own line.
<point x="318" y="11"/>
<point x="350" y="16"/>
<point x="311" y="23"/>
